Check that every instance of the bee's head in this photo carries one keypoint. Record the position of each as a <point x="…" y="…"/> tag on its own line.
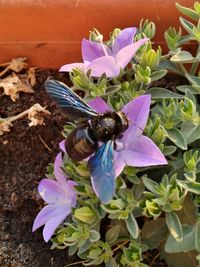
<point x="109" y="126"/>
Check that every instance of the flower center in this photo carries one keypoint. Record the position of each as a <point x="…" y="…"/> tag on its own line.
<point x="99" y="38"/>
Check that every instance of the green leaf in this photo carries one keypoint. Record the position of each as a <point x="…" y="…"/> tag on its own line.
<point x="84" y="247"/>
<point x="169" y="150"/>
<point x="169" y="65"/>
<point x="160" y="93"/>
<point x="188" y="26"/>
<point x="72" y="250"/>
<point x="112" y="234"/>
<point x="85" y="214"/>
<point x="194" y="80"/>
<point x="196" y="88"/>
<point x="94" y="236"/>
<point x="158" y="74"/>
<point x="185" y="39"/>
<point x="132" y="226"/>
<point x="190" y="132"/>
<point x="112" y="90"/>
<point x="174" y="226"/>
<point x="111" y="263"/>
<point x="177" y="138"/>
<point x="188" y="12"/>
<point x="190" y="88"/>
<point x="183" y="57"/>
<point x="187" y="243"/>
<point x="150" y="184"/>
<point x="197" y="237"/>
<point x="193" y="187"/>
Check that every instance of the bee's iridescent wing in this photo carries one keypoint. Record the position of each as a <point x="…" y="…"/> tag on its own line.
<point x="102" y="172"/>
<point x="68" y="101"/>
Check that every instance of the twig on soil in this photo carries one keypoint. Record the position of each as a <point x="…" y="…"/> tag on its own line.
<point x="154" y="259"/>
<point x="75" y="263"/>
<point x="35" y="115"/>
<point x="45" y="144"/>
<point x="121" y="245"/>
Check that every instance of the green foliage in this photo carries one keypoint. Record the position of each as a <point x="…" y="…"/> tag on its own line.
<point x="156" y="194"/>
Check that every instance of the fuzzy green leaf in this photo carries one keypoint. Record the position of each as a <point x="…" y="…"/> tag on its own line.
<point x="193" y="79"/>
<point x="169" y="65"/>
<point x="112" y="90"/>
<point x="187" y="244"/>
<point x="111" y="263"/>
<point x="72" y="250"/>
<point x="190" y="132"/>
<point x="177" y="138"/>
<point x="188" y="26"/>
<point x="183" y="57"/>
<point x="193" y="187"/>
<point x="188" y="12"/>
<point x="94" y="236"/>
<point x="112" y="234"/>
<point x="158" y="74"/>
<point x="150" y="184"/>
<point x="174" y="226"/>
<point x="169" y="150"/>
<point x="197" y="237"/>
<point x="85" y="246"/>
<point x="160" y="93"/>
<point x="132" y="226"/>
<point x="190" y="88"/>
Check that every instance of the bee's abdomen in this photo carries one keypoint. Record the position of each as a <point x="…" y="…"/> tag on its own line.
<point x="81" y="143"/>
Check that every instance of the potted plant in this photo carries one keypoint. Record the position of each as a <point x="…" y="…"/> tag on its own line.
<point x="143" y="194"/>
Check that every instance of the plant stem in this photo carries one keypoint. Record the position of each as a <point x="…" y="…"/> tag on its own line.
<point x="121" y="245"/>
<point x="18" y="116"/>
<point x="195" y="64"/>
<point x="182" y="69"/>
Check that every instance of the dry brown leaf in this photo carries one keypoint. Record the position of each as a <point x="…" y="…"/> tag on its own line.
<point x="5" y="126"/>
<point x="25" y="85"/>
<point x="31" y="76"/>
<point x="16" y="64"/>
<point x="11" y="87"/>
<point x="36" y="115"/>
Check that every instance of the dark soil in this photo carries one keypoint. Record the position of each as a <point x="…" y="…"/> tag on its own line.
<point x="24" y="155"/>
<point x="23" y="161"/>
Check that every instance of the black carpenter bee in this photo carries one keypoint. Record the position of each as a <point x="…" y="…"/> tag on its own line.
<point x="92" y="128"/>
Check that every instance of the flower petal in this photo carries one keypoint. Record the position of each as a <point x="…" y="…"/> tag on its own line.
<point x="124" y="56"/>
<point x="46" y="213"/>
<point x="60" y="176"/>
<point x="119" y="163"/>
<point x="105" y="64"/>
<point x="123" y="39"/>
<point x="69" y="67"/>
<point x="92" y="50"/>
<point x="137" y="110"/>
<point x="71" y="194"/>
<point x="51" y="191"/>
<point x="54" y="222"/>
<point x="143" y="152"/>
<point x="99" y="105"/>
<point x="62" y="146"/>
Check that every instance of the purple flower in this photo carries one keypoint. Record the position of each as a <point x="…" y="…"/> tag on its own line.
<point x="100" y="58"/>
<point x="60" y="197"/>
<point x="133" y="149"/>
